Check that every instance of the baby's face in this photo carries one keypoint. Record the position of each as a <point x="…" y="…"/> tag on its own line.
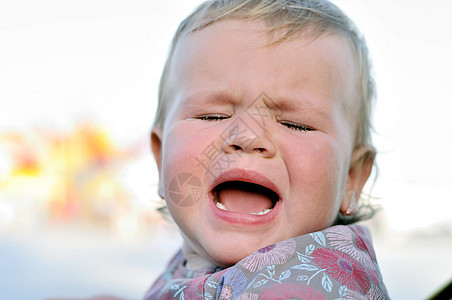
<point x="257" y="143"/>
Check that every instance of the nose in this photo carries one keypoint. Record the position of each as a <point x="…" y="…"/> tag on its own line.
<point x="242" y="138"/>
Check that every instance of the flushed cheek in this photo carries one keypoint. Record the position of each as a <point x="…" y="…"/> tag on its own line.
<point x="182" y="177"/>
<point x="182" y="144"/>
<point x="314" y="161"/>
<point x="315" y="182"/>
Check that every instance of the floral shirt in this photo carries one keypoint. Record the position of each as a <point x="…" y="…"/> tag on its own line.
<point x="336" y="263"/>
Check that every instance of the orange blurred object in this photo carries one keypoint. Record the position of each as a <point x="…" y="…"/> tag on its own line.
<point x="64" y="177"/>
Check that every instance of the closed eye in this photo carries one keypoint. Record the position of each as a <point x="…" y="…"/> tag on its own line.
<point x="214" y="117"/>
<point x="296" y="126"/>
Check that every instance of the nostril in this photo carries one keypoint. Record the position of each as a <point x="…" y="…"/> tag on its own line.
<point x="258" y="145"/>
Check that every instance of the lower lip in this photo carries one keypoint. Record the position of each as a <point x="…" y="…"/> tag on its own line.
<point x="240" y="218"/>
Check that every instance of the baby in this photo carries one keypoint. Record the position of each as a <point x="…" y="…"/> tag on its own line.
<point x="262" y="141"/>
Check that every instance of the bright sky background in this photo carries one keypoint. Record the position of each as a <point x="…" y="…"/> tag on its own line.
<point x="64" y="61"/>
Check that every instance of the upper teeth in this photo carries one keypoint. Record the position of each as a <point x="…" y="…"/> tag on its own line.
<point x="263" y="212"/>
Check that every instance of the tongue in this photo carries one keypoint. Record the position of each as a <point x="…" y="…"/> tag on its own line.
<point x="243" y="201"/>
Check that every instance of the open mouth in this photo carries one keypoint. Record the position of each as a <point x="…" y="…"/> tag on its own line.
<point x="244" y="197"/>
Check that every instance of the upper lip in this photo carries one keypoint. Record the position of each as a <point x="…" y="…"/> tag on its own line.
<point x="246" y="176"/>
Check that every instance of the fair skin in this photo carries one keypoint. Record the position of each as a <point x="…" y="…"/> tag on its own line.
<point x="302" y="150"/>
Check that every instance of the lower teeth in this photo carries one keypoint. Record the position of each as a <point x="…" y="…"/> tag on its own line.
<point x="220" y="206"/>
<point x="264" y="212"/>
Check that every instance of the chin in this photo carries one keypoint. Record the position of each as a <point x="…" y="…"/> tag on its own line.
<point x="226" y="257"/>
<point x="229" y="251"/>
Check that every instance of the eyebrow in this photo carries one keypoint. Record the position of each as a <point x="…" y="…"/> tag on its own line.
<point x="210" y="98"/>
<point x="295" y="104"/>
<point x="283" y="104"/>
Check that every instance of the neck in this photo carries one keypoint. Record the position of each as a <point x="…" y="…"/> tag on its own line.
<point x="194" y="260"/>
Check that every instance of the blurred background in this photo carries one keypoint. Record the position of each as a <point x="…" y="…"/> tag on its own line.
<point x="78" y="89"/>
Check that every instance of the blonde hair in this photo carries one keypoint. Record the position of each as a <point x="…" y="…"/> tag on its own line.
<point x="293" y="17"/>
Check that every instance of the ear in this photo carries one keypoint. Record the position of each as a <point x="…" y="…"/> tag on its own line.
<point x="361" y="164"/>
<point x="156" y="145"/>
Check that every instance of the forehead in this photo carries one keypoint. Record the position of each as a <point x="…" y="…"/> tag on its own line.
<point x="238" y="56"/>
